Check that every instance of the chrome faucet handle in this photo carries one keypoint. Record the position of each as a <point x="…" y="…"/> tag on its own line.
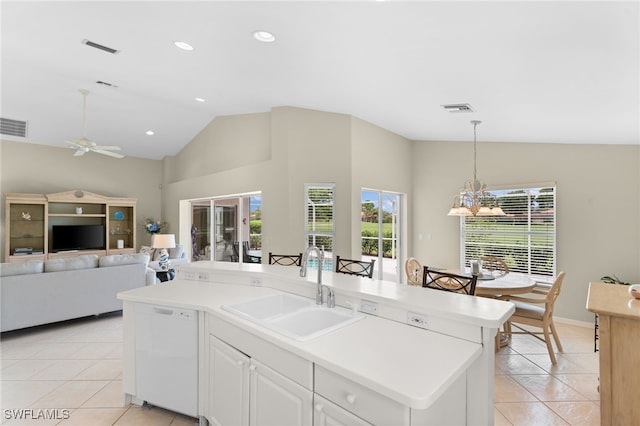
<point x="331" y="298"/>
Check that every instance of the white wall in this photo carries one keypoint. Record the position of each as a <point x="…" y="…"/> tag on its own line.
<point x="597" y="211"/>
<point x="42" y="169"/>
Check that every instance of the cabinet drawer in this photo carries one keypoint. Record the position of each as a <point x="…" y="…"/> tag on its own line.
<point x="361" y="401"/>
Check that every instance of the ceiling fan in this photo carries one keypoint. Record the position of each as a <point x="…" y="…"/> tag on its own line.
<point x="83" y="145"/>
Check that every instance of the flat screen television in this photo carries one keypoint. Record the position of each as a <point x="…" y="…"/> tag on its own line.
<point x="77" y="237"/>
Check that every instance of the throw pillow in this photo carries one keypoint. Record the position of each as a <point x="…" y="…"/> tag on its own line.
<point x="177" y="252"/>
<point x="148" y="250"/>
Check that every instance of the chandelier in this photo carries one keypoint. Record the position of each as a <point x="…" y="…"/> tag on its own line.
<point x="475" y="200"/>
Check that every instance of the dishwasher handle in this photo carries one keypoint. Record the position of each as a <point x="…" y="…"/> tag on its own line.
<point x="162" y="311"/>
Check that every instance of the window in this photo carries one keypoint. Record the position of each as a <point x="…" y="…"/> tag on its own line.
<point x="319" y="226"/>
<point x="525" y="238"/>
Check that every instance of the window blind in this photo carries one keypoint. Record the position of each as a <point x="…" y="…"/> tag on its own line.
<point x="319" y="221"/>
<point x="525" y="238"/>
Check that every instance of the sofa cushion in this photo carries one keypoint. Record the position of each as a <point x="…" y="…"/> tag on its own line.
<point x="124" y="259"/>
<point x="22" y="268"/>
<point x="177" y="252"/>
<point x="84" y="261"/>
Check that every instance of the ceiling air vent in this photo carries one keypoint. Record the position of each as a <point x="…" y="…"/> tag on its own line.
<point x="104" y="83"/>
<point x="99" y="46"/>
<point x="458" y="108"/>
<point x="13" y="127"/>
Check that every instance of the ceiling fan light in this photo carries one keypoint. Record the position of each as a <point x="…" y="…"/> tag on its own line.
<point x="264" y="36"/>
<point x="183" y="45"/>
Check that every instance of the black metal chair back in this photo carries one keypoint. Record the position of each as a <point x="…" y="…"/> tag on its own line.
<point x="446" y="281"/>
<point x="355" y="267"/>
<point x="285" y="259"/>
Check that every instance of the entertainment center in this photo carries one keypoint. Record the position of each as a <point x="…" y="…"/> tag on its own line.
<point x="65" y="224"/>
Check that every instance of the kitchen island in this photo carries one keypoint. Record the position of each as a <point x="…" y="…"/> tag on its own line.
<point x="418" y="356"/>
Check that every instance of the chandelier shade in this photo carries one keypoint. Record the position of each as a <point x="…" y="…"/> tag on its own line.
<point x="475" y="200"/>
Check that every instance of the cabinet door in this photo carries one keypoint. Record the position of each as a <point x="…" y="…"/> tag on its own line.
<point x="228" y="384"/>
<point x="277" y="400"/>
<point x="329" y="414"/>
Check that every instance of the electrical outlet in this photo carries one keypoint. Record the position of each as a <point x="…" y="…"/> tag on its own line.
<point x="369" y="307"/>
<point x="255" y="281"/>
<point x="189" y="276"/>
<point x="203" y="276"/>
<point x="417" y="320"/>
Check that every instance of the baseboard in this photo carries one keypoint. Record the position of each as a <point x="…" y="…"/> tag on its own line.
<point x="570" y="321"/>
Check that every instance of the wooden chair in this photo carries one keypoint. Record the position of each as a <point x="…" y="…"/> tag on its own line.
<point x="413" y="269"/>
<point x="528" y="313"/>
<point x="355" y="267"/>
<point x="285" y="259"/>
<point x="449" y="282"/>
<point x="495" y="266"/>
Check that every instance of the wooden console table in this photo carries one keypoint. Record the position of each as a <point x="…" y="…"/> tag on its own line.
<point x="619" y="327"/>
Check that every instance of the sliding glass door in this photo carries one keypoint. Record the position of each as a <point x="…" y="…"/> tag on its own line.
<point x="227" y="229"/>
<point x="380" y="232"/>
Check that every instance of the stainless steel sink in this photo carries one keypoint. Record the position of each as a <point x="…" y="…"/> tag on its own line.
<point x="294" y="316"/>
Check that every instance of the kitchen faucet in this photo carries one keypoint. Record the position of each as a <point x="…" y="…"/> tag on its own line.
<point x="331" y="299"/>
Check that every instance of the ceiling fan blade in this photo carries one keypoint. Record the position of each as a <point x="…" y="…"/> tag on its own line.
<point x="74" y="144"/>
<point x="79" y="153"/>
<point x="107" y="147"/>
<point x="109" y="153"/>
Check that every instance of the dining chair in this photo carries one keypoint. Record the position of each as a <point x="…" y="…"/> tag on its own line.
<point x="495" y="266"/>
<point x="529" y="311"/>
<point x="285" y="259"/>
<point x="413" y="269"/>
<point x="246" y="257"/>
<point x="355" y="267"/>
<point x="448" y="281"/>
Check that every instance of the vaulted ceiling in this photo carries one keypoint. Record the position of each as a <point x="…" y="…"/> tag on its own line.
<point x="548" y="72"/>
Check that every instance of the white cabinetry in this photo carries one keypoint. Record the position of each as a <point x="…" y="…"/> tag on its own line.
<point x="245" y="391"/>
<point x="329" y="414"/>
<point x="276" y="400"/>
<point x="228" y="384"/>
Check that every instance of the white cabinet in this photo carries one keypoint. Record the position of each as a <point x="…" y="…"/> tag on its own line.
<point x="228" y="384"/>
<point x="359" y="400"/>
<point x="244" y="391"/>
<point x="276" y="400"/>
<point x="329" y="414"/>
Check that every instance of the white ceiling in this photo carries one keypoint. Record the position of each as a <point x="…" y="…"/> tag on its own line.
<point x="550" y="72"/>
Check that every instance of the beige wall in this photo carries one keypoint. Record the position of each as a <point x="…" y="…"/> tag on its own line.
<point x="594" y="236"/>
<point x="41" y="169"/>
<point x="305" y="147"/>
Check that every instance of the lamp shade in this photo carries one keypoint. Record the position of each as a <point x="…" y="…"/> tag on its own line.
<point x="163" y="241"/>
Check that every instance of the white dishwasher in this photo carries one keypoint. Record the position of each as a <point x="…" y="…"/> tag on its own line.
<point x="167" y="357"/>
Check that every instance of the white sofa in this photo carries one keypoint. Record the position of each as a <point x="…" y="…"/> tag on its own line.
<point x="177" y="256"/>
<point x="36" y="292"/>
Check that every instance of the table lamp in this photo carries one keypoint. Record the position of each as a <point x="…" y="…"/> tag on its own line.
<point x="163" y="242"/>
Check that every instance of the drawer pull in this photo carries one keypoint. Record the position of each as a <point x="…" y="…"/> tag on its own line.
<point x="351" y="398"/>
<point x="319" y="408"/>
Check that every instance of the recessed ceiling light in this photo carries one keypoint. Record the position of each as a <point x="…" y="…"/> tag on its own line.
<point x="264" y="36"/>
<point x="183" y="45"/>
<point x="150" y="132"/>
<point x="199" y="99"/>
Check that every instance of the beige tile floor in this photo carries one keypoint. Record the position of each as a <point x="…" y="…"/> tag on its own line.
<point x="73" y="371"/>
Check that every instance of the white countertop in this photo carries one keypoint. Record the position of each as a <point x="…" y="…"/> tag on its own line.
<point x="410" y="365"/>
